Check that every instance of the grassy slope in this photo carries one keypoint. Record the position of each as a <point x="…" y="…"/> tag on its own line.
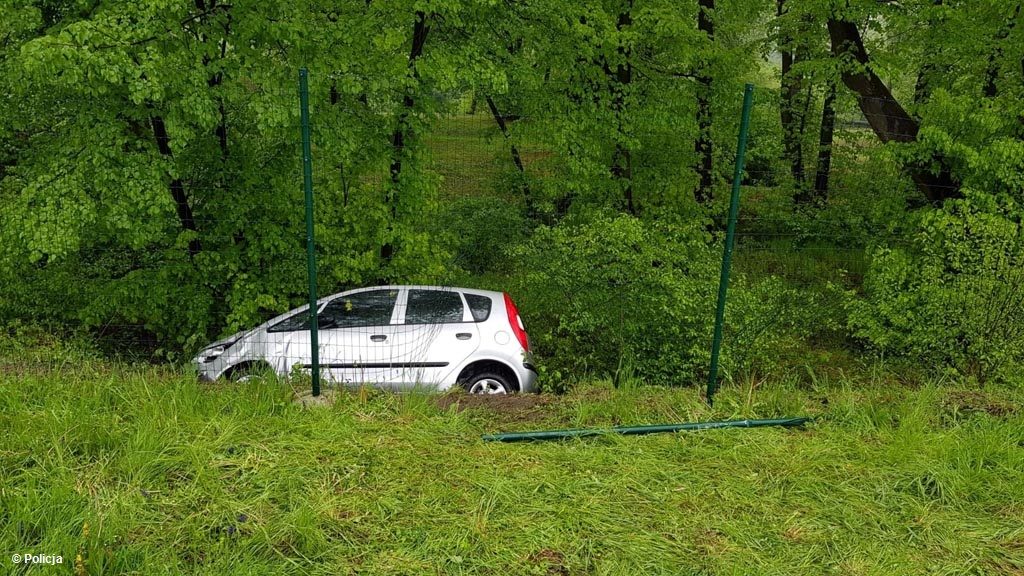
<point x="148" y="472"/>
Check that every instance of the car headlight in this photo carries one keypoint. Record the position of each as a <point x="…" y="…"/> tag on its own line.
<point x="211" y="354"/>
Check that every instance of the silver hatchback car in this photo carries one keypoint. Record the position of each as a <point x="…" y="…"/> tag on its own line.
<point x="396" y="337"/>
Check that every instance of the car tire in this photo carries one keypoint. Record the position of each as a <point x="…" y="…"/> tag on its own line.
<point x="488" y="383"/>
<point x="248" y="372"/>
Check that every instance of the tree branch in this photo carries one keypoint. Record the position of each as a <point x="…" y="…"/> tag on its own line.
<point x="888" y="119"/>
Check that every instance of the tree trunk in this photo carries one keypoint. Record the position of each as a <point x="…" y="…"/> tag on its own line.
<point x="887" y="118"/>
<point x="992" y="72"/>
<point x="792" y="121"/>
<point x="922" y="86"/>
<point x="825" y="137"/>
<point x="516" y="158"/>
<point x="622" y="77"/>
<point x="792" y="126"/>
<point x="704" y="146"/>
<point x="184" y="210"/>
<point x="216" y="79"/>
<point x="403" y="131"/>
<point x="335" y="97"/>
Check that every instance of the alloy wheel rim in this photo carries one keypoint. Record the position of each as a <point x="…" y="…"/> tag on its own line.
<point x="487" y="386"/>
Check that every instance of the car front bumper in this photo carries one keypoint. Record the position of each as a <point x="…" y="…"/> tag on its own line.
<point x="208" y="371"/>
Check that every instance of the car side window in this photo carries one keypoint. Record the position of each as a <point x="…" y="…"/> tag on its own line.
<point x="360" y="309"/>
<point x="479" y="306"/>
<point x="433" y="307"/>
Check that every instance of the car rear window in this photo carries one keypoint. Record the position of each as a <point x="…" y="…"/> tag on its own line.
<point x="479" y="306"/>
<point x="433" y="307"/>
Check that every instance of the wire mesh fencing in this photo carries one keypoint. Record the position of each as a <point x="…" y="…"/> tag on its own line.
<point x="434" y="222"/>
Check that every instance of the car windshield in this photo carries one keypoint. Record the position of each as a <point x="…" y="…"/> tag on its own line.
<point x="294" y="323"/>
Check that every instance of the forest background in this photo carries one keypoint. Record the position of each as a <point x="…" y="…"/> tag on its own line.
<point x="575" y="154"/>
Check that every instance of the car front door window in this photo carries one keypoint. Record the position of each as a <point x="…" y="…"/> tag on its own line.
<point x="358" y="310"/>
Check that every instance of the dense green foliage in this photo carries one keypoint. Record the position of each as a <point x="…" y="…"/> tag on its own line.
<point x="150" y="170"/>
<point x="955" y="296"/>
<point x="611" y="292"/>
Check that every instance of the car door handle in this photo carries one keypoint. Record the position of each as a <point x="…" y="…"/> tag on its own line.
<point x="378" y="337"/>
<point x="463" y="335"/>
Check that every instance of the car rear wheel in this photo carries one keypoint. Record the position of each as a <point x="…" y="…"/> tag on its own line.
<point x="488" y="383"/>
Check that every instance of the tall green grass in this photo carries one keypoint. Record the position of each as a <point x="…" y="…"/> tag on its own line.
<point x="143" y="471"/>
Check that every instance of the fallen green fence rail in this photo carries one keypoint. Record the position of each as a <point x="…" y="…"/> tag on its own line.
<point x="637" y="430"/>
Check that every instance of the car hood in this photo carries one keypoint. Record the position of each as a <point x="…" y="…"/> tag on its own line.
<point x="229" y="340"/>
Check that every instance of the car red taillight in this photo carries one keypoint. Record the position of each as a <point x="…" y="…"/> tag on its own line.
<point x="516" y="323"/>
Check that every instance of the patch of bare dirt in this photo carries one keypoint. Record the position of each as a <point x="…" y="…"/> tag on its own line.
<point x="510" y="407"/>
<point x="1011" y="511"/>
<point x="326" y="399"/>
<point x="555" y="561"/>
<point x="496" y="402"/>
<point x="593" y="394"/>
<point x="532" y="156"/>
<point x="793" y="533"/>
<point x="20" y="369"/>
<point x="711" y="542"/>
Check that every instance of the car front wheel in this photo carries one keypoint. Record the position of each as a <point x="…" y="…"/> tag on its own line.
<point x="249" y="372"/>
<point x="488" y="383"/>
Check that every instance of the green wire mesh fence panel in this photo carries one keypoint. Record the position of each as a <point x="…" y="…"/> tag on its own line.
<point x="597" y="198"/>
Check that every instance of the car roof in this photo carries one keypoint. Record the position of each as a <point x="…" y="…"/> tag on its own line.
<point x="491" y="293"/>
<point x="324" y="299"/>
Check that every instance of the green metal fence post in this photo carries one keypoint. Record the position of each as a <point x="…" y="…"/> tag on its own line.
<point x="640" y="430"/>
<point x="307" y="181"/>
<point x="734" y="204"/>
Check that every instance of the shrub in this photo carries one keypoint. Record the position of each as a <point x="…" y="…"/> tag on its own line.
<point x="614" y="288"/>
<point x="768" y="320"/>
<point x="619" y="297"/>
<point x="481" y="231"/>
<point x="954" y="296"/>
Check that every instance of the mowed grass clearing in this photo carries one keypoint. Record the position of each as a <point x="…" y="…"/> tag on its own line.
<point x="146" y="471"/>
<point x="470" y="154"/>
